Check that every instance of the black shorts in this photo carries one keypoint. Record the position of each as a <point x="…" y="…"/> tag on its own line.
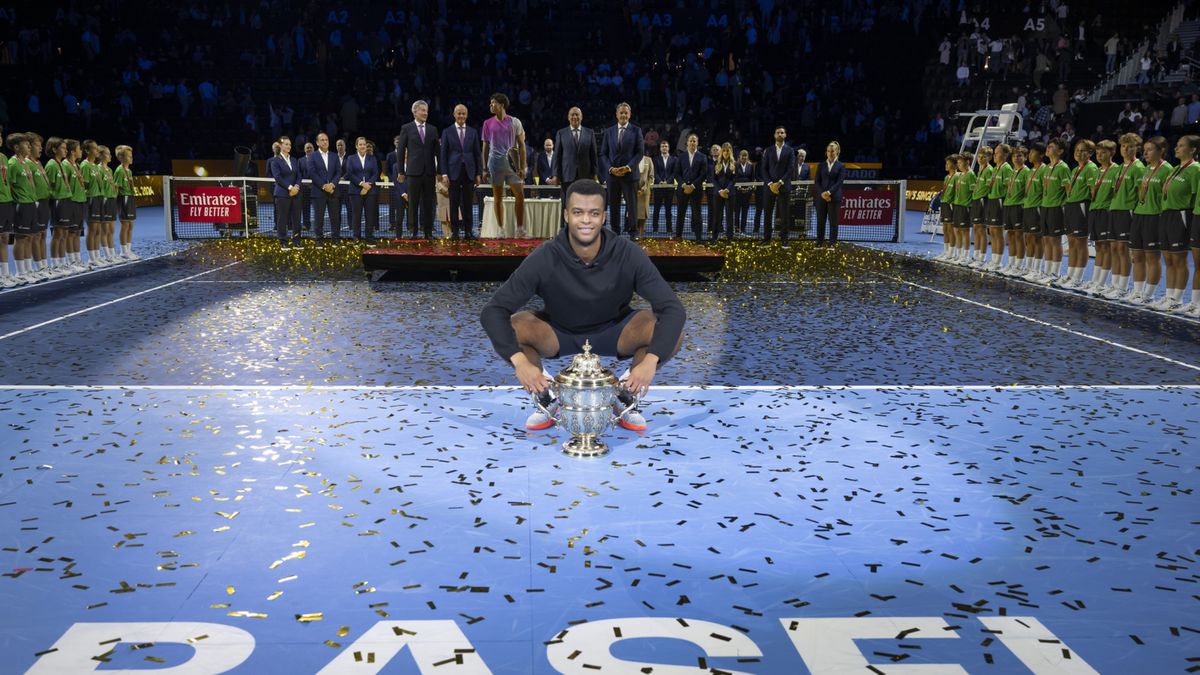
<point x="63" y="210"/>
<point x="110" y="209"/>
<point x="603" y="340"/>
<point x="1075" y="215"/>
<point x="946" y="212"/>
<point x="127" y="207"/>
<point x="962" y="215"/>
<point x="1097" y="224"/>
<point x="1120" y="222"/>
<point x="1053" y="221"/>
<point x="95" y="208"/>
<point x="44" y="212"/>
<point x="1012" y="217"/>
<point x="1195" y="231"/>
<point x="1031" y="220"/>
<point x="978" y="207"/>
<point x="8" y="215"/>
<point x="1173" y="230"/>
<point x="991" y="213"/>
<point x="1143" y="232"/>
<point x="25" y="221"/>
<point x="78" y="212"/>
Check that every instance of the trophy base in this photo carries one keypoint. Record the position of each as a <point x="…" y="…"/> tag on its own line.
<point x="585" y="446"/>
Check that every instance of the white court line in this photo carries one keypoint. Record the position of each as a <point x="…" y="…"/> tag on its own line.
<point x="111" y="302"/>
<point x="300" y="388"/>
<point x="277" y="281"/>
<point x="1047" y="324"/>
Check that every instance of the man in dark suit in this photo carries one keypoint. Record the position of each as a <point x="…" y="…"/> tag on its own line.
<point x="545" y="163"/>
<point x="419" y="147"/>
<point x="778" y="167"/>
<point x="459" y="162"/>
<point x="575" y="154"/>
<point x="305" y="194"/>
<point x="691" y="170"/>
<point x="664" y="172"/>
<point x="799" y="205"/>
<point x="743" y="172"/>
<point x="620" y="155"/>
<point x="397" y="205"/>
<point x="325" y="170"/>
<point x="362" y="170"/>
<point x="828" y="185"/>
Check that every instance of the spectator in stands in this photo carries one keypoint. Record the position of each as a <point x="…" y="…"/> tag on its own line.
<point x="1179" y="114"/>
<point x="1110" y="53"/>
<point x="963" y="74"/>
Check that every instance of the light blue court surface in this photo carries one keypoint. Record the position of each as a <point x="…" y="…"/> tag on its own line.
<point x="210" y="466"/>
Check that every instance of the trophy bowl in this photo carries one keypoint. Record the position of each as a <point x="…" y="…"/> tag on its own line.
<point x="586" y="392"/>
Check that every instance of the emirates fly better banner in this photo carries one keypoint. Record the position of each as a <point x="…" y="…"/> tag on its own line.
<point x="867" y="207"/>
<point x="208" y="204"/>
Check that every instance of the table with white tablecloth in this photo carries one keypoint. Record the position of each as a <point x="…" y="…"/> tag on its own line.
<point x="542" y="218"/>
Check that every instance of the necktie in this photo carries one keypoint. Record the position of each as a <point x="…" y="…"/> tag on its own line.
<point x="620" y="135"/>
<point x="421" y="131"/>
<point x="462" y="137"/>
<point x="576" y="131"/>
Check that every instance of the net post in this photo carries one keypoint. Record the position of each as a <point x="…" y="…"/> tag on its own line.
<point x="902" y="212"/>
<point x="245" y="209"/>
<point x="168" y="209"/>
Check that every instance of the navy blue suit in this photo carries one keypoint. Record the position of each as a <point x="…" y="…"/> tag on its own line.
<point x="398" y="206"/>
<point x="324" y="171"/>
<point x="691" y="171"/>
<point x="420" y="171"/>
<point x="459" y="160"/>
<point x="777" y="169"/>
<point x="286" y="174"/>
<point x="545" y="168"/>
<point x="721" y="208"/>
<point x="305" y="196"/>
<point x="574" y="160"/>
<point x="828" y="180"/>
<point x="358" y="171"/>
<point x="614" y="153"/>
<point x="664" y="172"/>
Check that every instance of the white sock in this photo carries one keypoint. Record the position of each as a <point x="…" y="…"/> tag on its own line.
<point x="1175" y="294"/>
<point x="1148" y="291"/>
<point x="1137" y="288"/>
<point x="93" y="253"/>
<point x="1121" y="283"/>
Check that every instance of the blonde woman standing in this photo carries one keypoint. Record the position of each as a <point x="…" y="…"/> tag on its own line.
<point x="645" y="180"/>
<point x="721" y="204"/>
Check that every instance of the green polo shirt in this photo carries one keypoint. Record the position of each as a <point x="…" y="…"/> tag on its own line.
<point x="1014" y="194"/>
<point x="1181" y="187"/>
<point x="983" y="182"/>
<point x="1150" y="189"/>
<point x="58" y="181"/>
<point x="965" y="187"/>
<point x="108" y="182"/>
<point x="21" y="174"/>
<point x="5" y="181"/>
<point x="41" y="183"/>
<point x="1102" y="190"/>
<point x="1054" y="184"/>
<point x="93" y="180"/>
<point x="999" y="181"/>
<point x="1125" y="186"/>
<point x="1033" y="187"/>
<point x="124" y="179"/>
<point x="948" y="188"/>
<point x="1083" y="179"/>
<point x="75" y="183"/>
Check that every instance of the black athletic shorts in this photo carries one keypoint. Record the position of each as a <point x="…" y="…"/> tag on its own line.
<point x="8" y="215"/>
<point x="1012" y="217"/>
<point x="1031" y="220"/>
<point x="127" y="207"/>
<point x="78" y="213"/>
<point x="604" y="340"/>
<point x="1195" y="231"/>
<point x="1173" y="230"/>
<point x="1097" y="224"/>
<point x="1120" y="222"/>
<point x="946" y="212"/>
<point x="1143" y="232"/>
<point x="991" y="213"/>
<point x="1053" y="222"/>
<point x="110" y="209"/>
<point x="25" y="221"/>
<point x="1075" y="215"/>
<point x="95" y="208"/>
<point x="63" y="210"/>
<point x="978" y="208"/>
<point x="44" y="212"/>
<point x="962" y="215"/>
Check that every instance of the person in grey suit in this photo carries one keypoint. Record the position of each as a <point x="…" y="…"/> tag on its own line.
<point x="575" y="155"/>
<point x="419" y="144"/>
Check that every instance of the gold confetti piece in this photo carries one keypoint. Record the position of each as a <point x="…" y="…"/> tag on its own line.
<point x="343" y="631"/>
<point x="248" y="615"/>
<point x="219" y="605"/>
<point x="230" y="590"/>
<point x="333" y="644"/>
<point x="221" y="529"/>
<point x="183" y="533"/>
<point x="307" y="618"/>
<point x="291" y="578"/>
<point x="307" y="525"/>
<point x="156" y="659"/>
<point x="230" y="516"/>
<point x="198" y="638"/>
<point x="274" y="595"/>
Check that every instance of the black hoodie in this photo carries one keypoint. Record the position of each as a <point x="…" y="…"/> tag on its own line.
<point x="585" y="298"/>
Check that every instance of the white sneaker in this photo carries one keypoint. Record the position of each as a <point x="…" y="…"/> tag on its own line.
<point x="1114" y="293"/>
<point x="1194" y="310"/>
<point x="1163" y="304"/>
<point x="1183" y="309"/>
<point x="8" y="282"/>
<point x="133" y="256"/>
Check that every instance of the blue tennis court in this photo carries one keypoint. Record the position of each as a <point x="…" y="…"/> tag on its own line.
<point x="859" y="462"/>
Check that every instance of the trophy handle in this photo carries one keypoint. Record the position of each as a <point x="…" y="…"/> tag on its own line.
<point x="617" y="418"/>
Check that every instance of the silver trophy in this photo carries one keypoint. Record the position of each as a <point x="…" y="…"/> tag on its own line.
<point x="587" y="393"/>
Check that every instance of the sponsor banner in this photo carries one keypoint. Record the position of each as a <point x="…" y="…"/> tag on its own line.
<point x="920" y="193"/>
<point x="148" y="190"/>
<point x="204" y="204"/>
<point x="866" y="206"/>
